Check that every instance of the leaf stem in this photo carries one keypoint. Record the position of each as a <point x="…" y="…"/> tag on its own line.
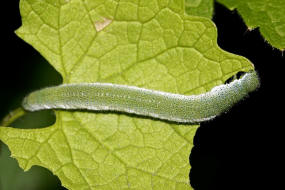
<point x="12" y="116"/>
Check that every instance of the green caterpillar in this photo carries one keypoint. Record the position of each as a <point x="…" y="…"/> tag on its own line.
<point x="140" y="101"/>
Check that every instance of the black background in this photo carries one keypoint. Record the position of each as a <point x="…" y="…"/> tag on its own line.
<point x="233" y="151"/>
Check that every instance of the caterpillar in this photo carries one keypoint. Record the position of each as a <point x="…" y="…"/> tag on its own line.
<point x="144" y="102"/>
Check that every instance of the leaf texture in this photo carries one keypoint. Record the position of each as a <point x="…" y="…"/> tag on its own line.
<point x="151" y="44"/>
<point x="203" y="8"/>
<point x="268" y="16"/>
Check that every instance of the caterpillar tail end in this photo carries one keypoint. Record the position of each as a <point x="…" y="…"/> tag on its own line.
<point x="26" y="104"/>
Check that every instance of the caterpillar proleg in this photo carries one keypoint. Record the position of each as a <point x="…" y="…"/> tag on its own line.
<point x="145" y="102"/>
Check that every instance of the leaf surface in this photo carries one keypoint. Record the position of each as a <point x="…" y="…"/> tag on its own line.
<point x="204" y="8"/>
<point x="151" y="44"/>
<point x="268" y="16"/>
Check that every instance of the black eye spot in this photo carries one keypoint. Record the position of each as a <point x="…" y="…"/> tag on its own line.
<point x="240" y="74"/>
<point x="230" y="79"/>
<point x="234" y="77"/>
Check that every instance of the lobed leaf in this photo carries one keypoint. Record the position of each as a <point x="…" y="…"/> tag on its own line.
<point x="151" y="44"/>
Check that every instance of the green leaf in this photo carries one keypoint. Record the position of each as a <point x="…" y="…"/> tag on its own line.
<point x="268" y="16"/>
<point x="204" y="8"/>
<point x="12" y="176"/>
<point x="150" y="44"/>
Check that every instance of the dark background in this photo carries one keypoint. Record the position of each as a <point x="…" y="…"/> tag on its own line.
<point x="234" y="151"/>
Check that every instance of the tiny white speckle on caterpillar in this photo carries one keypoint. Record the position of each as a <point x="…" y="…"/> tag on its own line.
<point x="145" y="102"/>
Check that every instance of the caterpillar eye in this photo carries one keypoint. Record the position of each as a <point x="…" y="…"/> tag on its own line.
<point x="235" y="77"/>
<point x="240" y="74"/>
<point x="229" y="80"/>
